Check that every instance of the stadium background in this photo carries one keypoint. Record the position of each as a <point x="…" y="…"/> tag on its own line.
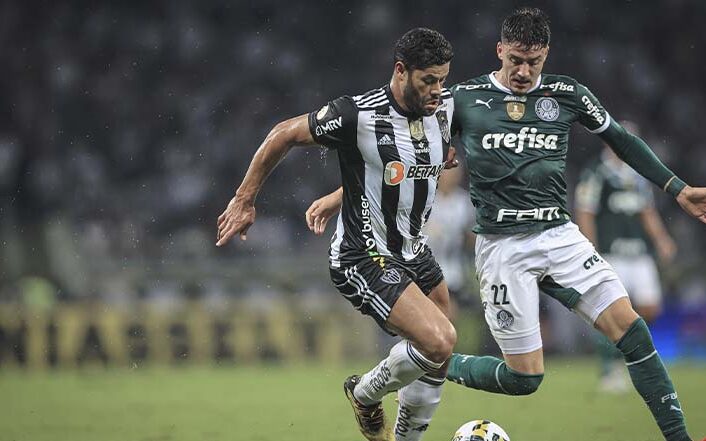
<point x="126" y="128"/>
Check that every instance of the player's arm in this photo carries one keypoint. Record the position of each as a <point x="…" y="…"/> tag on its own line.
<point x="334" y="125"/>
<point x="637" y="154"/>
<point x="663" y="242"/>
<point x="239" y="215"/>
<point x="586" y="222"/>
<point x="587" y="197"/>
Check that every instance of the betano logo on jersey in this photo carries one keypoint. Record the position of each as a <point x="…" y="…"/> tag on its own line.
<point x="526" y="138"/>
<point x="396" y="172"/>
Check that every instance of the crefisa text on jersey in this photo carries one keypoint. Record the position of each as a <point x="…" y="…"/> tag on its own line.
<point x="516" y="141"/>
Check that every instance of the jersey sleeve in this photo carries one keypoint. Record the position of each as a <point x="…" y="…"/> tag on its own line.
<point x="335" y="124"/>
<point x="592" y="115"/>
<point x="588" y="191"/>
<point x="638" y="155"/>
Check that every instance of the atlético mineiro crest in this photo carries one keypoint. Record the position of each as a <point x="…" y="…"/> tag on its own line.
<point x="444" y="126"/>
<point x="391" y="276"/>
<point x="416" y="129"/>
<point x="547" y="109"/>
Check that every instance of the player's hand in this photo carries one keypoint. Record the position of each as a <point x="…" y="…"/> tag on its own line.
<point x="693" y="201"/>
<point x="451" y="161"/>
<point x="238" y="216"/>
<point x="321" y="210"/>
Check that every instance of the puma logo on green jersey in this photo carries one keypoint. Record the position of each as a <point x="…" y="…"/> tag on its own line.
<point x="527" y="138"/>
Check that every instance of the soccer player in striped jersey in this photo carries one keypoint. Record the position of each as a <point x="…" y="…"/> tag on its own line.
<point x="392" y="144"/>
<point x="515" y="124"/>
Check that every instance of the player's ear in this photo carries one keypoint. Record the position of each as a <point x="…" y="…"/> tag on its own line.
<point x="499" y="50"/>
<point x="399" y="70"/>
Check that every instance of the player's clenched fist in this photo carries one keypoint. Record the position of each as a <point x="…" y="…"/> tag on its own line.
<point x="693" y="201"/>
<point x="238" y="216"/>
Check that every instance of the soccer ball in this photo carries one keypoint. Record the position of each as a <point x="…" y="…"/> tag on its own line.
<point x="480" y="430"/>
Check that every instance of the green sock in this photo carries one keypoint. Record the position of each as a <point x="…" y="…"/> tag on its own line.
<point x="652" y="382"/>
<point x="491" y="375"/>
<point x="607" y="352"/>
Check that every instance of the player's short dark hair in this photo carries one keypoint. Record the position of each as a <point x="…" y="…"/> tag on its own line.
<point x="528" y="27"/>
<point x="421" y="48"/>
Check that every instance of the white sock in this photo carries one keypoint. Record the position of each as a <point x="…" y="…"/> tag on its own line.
<point x="418" y="402"/>
<point x="404" y="365"/>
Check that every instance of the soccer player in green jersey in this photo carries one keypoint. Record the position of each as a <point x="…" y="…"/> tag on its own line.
<point x="515" y="124"/>
<point x="615" y="211"/>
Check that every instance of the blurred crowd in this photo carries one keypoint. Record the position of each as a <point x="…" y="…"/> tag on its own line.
<point x="128" y="125"/>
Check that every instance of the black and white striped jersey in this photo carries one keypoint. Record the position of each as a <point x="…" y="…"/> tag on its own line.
<point x="390" y="162"/>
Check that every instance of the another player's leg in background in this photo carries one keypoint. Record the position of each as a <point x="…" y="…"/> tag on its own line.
<point x="640" y="279"/>
<point x="419" y="399"/>
<point x="428" y="339"/>
<point x="621" y="324"/>
<point x="613" y="378"/>
<point x="612" y="364"/>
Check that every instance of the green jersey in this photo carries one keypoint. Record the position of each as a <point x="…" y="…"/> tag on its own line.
<point x="516" y="148"/>
<point x="617" y="196"/>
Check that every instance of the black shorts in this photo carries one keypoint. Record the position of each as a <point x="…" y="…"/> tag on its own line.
<point x="373" y="288"/>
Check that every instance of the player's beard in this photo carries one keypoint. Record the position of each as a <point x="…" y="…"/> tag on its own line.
<point x="414" y="102"/>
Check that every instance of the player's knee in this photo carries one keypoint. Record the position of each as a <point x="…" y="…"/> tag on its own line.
<point x="441" y="346"/>
<point x="518" y="383"/>
<point x="617" y="319"/>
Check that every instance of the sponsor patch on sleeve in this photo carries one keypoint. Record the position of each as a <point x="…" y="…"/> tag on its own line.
<point x="322" y="113"/>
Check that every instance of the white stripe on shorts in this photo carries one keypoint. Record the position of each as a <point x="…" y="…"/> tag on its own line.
<point x="369" y="297"/>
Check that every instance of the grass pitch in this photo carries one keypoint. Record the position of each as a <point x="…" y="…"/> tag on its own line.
<point x="306" y="403"/>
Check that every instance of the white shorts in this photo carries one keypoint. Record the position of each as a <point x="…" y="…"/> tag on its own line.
<point x="560" y="261"/>
<point x="640" y="276"/>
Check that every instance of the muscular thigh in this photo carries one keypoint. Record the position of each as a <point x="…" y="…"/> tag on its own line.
<point x="374" y="288"/>
<point x="415" y="317"/>
<point x="439" y="295"/>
